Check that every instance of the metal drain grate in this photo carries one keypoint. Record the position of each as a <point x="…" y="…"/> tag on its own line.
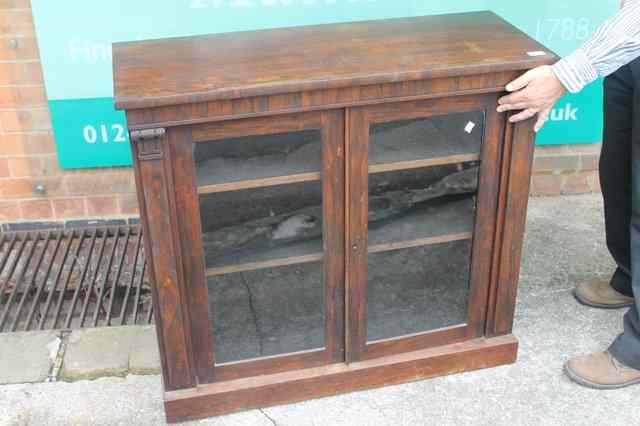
<point x="73" y="278"/>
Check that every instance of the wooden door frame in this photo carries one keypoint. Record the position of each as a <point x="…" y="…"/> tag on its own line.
<point x="331" y="124"/>
<point x="358" y="124"/>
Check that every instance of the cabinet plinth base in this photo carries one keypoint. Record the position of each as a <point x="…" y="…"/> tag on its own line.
<point x="263" y="391"/>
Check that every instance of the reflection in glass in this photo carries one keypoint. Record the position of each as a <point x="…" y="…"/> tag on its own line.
<point x="417" y="289"/>
<point x="264" y="299"/>
<point x="421" y="224"/>
<point x="420" y="229"/>
<point x="426" y="138"/>
<point x="422" y="203"/>
<point x="255" y="157"/>
<point x="261" y="224"/>
<point x="267" y="312"/>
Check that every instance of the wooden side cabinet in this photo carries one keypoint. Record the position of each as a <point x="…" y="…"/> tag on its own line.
<point x="328" y="208"/>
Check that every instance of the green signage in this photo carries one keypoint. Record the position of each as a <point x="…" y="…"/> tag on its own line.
<point x="75" y="47"/>
<point x="90" y="133"/>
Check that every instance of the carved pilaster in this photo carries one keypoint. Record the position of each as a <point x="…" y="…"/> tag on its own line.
<point x="156" y="198"/>
<point x="149" y="142"/>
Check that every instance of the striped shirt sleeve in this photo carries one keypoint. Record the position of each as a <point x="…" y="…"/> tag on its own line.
<point x="614" y="44"/>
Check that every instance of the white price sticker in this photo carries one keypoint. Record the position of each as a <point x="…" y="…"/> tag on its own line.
<point x="469" y="127"/>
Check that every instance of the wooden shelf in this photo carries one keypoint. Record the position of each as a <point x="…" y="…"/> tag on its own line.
<point x="432" y="224"/>
<point x="309" y="177"/>
<point x="452" y="221"/>
<point x="432" y="142"/>
<point x="394" y="146"/>
<point x="262" y="258"/>
<point x="417" y="164"/>
<point x="378" y="248"/>
<point x="258" y="183"/>
<point x="252" y="266"/>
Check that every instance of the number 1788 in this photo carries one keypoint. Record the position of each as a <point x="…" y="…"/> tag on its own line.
<point x="565" y="29"/>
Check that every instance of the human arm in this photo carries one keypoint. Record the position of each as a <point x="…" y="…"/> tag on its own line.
<point x="614" y="44"/>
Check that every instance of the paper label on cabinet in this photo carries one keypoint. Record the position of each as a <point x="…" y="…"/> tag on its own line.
<point x="537" y="53"/>
<point x="469" y="127"/>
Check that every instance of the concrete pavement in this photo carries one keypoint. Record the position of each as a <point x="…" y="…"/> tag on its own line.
<point x="79" y="354"/>
<point x="564" y="244"/>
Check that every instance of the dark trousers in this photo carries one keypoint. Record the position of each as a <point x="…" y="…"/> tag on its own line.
<point x="615" y="171"/>
<point x="620" y="182"/>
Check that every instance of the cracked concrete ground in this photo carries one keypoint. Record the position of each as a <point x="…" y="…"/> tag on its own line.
<point x="564" y="244"/>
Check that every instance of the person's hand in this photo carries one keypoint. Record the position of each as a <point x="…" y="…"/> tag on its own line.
<point x="535" y="92"/>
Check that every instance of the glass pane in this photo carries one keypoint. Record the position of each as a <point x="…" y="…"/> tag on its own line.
<point x="267" y="312"/>
<point x="261" y="224"/>
<point x="415" y="204"/>
<point x="256" y="157"/>
<point x="425" y="138"/>
<point x="421" y="223"/>
<point x="417" y="289"/>
<point x="262" y="245"/>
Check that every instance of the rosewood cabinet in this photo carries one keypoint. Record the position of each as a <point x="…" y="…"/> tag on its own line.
<point x="328" y="208"/>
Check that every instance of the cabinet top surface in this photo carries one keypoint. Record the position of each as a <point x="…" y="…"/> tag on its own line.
<point x="253" y="63"/>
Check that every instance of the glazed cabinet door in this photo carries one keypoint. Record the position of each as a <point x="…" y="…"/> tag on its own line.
<point x="422" y="179"/>
<point x="264" y="236"/>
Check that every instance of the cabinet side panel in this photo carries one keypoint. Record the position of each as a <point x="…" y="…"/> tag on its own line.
<point x="515" y="196"/>
<point x="153" y="183"/>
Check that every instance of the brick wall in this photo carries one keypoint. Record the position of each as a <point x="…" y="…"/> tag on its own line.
<point x="565" y="169"/>
<point x="28" y="160"/>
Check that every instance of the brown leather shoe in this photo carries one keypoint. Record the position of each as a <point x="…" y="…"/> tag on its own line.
<point x="600" y="294"/>
<point x="600" y="370"/>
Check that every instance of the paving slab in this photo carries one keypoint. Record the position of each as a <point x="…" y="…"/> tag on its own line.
<point x="27" y="357"/>
<point x="97" y="352"/>
<point x="144" y="357"/>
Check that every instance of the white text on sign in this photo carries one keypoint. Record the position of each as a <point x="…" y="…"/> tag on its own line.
<point x="104" y="133"/>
